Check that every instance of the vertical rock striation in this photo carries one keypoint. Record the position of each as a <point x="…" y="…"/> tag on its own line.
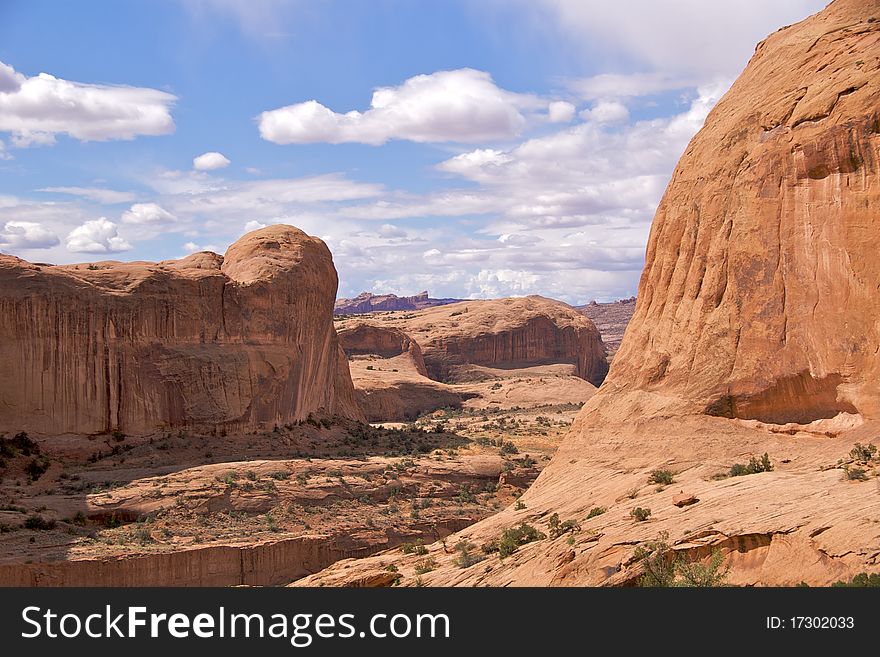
<point x="235" y="342"/>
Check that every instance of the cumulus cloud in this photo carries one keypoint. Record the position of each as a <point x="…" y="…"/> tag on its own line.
<point x="606" y="112"/>
<point x="664" y="36"/>
<point x="97" y="194"/>
<point x="96" y="236"/>
<point x="210" y="161"/>
<point x="560" y="111"/>
<point x="251" y="226"/>
<point x="27" y="235"/>
<point x="463" y="106"/>
<point x="4" y="154"/>
<point x="36" y="109"/>
<point x="391" y="231"/>
<point x="147" y="213"/>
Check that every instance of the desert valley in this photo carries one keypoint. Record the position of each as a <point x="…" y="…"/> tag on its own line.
<point x="226" y="420"/>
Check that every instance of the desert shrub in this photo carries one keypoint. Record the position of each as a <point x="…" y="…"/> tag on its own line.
<point x="519" y="506"/>
<point x="854" y="473"/>
<point x="507" y="447"/>
<point x="596" y="511"/>
<point x="465" y="496"/>
<point x="754" y="466"/>
<point x="391" y="568"/>
<point x="559" y="528"/>
<point x="662" y="477"/>
<point x="36" y="468"/>
<point x="425" y="566"/>
<point x="640" y="514"/>
<point x="118" y="436"/>
<point x="515" y="537"/>
<point x="414" y="548"/>
<point x="862" y="580"/>
<point x="36" y="521"/>
<point x="79" y="518"/>
<point x="466" y="558"/>
<point x="663" y="569"/>
<point x="863" y="453"/>
<point x="279" y="475"/>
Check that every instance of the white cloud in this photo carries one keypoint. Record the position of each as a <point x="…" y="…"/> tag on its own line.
<point x="463" y="106"/>
<point x="606" y="112"/>
<point x="27" y="235"/>
<point x="560" y="111"/>
<point x="210" y="161"/>
<point x="97" y="194"/>
<point x="96" y="236"/>
<point x="628" y="85"/>
<point x="36" y="109"/>
<point x="390" y="231"/>
<point x="251" y="226"/>
<point x="691" y="38"/>
<point x="4" y="154"/>
<point x="147" y="213"/>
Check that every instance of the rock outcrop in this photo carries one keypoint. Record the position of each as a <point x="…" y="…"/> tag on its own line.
<point x="365" y="339"/>
<point x="507" y="333"/>
<point x="207" y="342"/>
<point x="367" y="302"/>
<point x="611" y="319"/>
<point x="755" y="332"/>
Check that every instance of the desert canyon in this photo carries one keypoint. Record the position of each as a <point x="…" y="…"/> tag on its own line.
<point x="223" y="420"/>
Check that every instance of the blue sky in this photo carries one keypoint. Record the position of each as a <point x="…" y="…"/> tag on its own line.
<point x="510" y="148"/>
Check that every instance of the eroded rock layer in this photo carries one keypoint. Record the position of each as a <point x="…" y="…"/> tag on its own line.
<point x="234" y="342"/>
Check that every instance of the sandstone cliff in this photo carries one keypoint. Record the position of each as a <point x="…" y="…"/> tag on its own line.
<point x="506" y="333"/>
<point x="236" y="342"/>
<point x="755" y="331"/>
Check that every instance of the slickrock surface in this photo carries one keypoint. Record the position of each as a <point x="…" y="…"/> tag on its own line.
<point x="209" y="342"/>
<point x="755" y="332"/>
<point x="367" y="302"/>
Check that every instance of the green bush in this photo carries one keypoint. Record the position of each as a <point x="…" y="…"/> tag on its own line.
<point x="854" y="473"/>
<point x="414" y="548"/>
<point x="596" y="511"/>
<point x="663" y="569"/>
<point x="519" y="506"/>
<point x="465" y="557"/>
<point x="863" y="453"/>
<point x="425" y="566"/>
<point x="862" y="580"/>
<point x="640" y="514"/>
<point x="36" y="468"/>
<point x="507" y="447"/>
<point x="36" y="521"/>
<point x="662" y="477"/>
<point x="515" y="537"/>
<point x="754" y="466"/>
<point x="558" y="528"/>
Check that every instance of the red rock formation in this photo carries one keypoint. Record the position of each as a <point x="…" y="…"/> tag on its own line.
<point x="366" y="302"/>
<point x="507" y="333"/>
<point x="759" y="296"/>
<point x="237" y="342"/>
<point x="360" y="339"/>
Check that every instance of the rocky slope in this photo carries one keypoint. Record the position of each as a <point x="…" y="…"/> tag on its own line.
<point x="232" y="342"/>
<point x="367" y="302"/>
<point x="755" y="332"/>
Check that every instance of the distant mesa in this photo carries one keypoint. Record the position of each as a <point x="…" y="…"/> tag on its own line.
<point x="367" y="302"/>
<point x="236" y="342"/>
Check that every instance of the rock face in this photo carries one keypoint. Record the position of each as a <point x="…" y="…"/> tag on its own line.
<point x="236" y="342"/>
<point x="362" y="339"/>
<point x="755" y="332"/>
<point x="759" y="297"/>
<point x="366" y="302"/>
<point x="508" y="333"/>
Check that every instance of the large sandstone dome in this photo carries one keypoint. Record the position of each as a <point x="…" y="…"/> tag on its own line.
<point x="209" y="342"/>
<point x="760" y="295"/>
